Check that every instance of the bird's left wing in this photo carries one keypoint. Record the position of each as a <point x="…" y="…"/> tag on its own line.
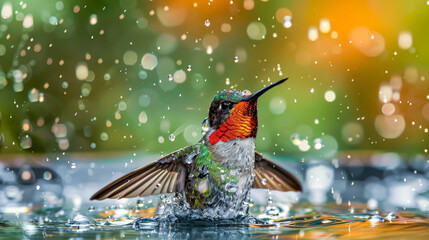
<point x="166" y="175"/>
<point x="269" y="175"/>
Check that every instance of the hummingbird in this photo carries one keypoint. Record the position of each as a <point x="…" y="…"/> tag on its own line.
<point x="219" y="171"/>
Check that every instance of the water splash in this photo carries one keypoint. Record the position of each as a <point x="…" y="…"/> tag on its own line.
<point x="80" y="223"/>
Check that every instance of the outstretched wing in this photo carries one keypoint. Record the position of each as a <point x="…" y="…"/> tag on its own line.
<point x="271" y="176"/>
<point x="166" y="175"/>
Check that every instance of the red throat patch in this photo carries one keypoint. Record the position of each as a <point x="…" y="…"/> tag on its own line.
<point x="242" y="123"/>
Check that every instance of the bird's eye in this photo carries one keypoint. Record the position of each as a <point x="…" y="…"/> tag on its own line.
<point x="225" y="105"/>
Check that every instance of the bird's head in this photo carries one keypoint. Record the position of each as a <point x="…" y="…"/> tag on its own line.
<point x="233" y="114"/>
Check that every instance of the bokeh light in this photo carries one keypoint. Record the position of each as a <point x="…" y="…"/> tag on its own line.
<point x="256" y="31"/>
<point x="136" y="79"/>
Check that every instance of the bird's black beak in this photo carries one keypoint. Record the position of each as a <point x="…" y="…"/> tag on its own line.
<point x="256" y="95"/>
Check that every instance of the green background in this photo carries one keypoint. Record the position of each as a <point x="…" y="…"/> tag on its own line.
<point x="177" y="33"/>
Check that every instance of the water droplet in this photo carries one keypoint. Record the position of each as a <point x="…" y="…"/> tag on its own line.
<point x="205" y="126"/>
<point x="33" y="95"/>
<point x="47" y="175"/>
<point x="93" y="19"/>
<point x="122" y="106"/>
<point x="79" y="223"/>
<point x="318" y="143"/>
<point x="91" y="209"/>
<point x="163" y="198"/>
<point x="390" y="216"/>
<point x="264" y="181"/>
<point x="107" y="77"/>
<point x="189" y="159"/>
<point x="26" y="142"/>
<point x="236" y="59"/>
<point x="287" y="21"/>
<point x="140" y="203"/>
<point x="189" y="68"/>
<point x="65" y="84"/>
<point x="375" y="219"/>
<point x="207" y="23"/>
<point x="144" y="224"/>
<point x="172" y="137"/>
<point x="41" y="97"/>
<point x="270" y="200"/>
<point x="273" y="211"/>
<point x="296" y="139"/>
<point x="231" y="187"/>
<point x="104" y="136"/>
<point x="170" y="77"/>
<point x="246" y="93"/>
<point x="26" y="125"/>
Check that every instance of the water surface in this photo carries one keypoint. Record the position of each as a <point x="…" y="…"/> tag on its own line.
<point x="323" y="222"/>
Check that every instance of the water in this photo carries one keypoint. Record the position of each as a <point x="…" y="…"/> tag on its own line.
<point x="53" y="202"/>
<point x="322" y="222"/>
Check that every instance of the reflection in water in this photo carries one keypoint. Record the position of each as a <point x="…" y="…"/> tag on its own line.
<point x="28" y="187"/>
<point x="323" y="222"/>
<point x="339" y="201"/>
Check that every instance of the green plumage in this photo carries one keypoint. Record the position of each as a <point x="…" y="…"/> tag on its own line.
<point x="216" y="176"/>
<point x="229" y="95"/>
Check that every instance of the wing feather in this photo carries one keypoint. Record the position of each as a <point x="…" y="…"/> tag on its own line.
<point x="162" y="176"/>
<point x="141" y="187"/>
<point x="269" y="175"/>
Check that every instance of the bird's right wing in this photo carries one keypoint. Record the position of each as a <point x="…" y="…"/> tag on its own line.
<point x="269" y="175"/>
<point x="166" y="175"/>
